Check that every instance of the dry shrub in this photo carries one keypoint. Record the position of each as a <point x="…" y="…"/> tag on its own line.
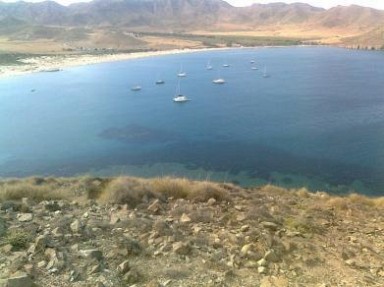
<point x="338" y="203"/>
<point x="273" y="190"/>
<point x="171" y="187"/>
<point x="91" y="187"/>
<point x="303" y="225"/>
<point x="32" y="190"/>
<point x="127" y="190"/>
<point x="360" y="200"/>
<point x="303" y="193"/>
<point x="19" y="239"/>
<point x="379" y="202"/>
<point x="203" y="191"/>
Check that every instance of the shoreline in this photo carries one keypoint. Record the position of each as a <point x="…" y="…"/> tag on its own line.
<point x="49" y="63"/>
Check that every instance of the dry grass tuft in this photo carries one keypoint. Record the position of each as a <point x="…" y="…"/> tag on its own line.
<point x="203" y="191"/>
<point x="171" y="187"/>
<point x="34" y="190"/>
<point x="360" y="200"/>
<point x="127" y="190"/>
<point x="303" y="193"/>
<point x="379" y="202"/>
<point x="273" y="189"/>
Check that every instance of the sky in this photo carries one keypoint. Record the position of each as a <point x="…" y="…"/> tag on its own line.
<point x="378" y="4"/>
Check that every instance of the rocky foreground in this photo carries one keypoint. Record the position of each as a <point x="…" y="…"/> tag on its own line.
<point x="175" y="232"/>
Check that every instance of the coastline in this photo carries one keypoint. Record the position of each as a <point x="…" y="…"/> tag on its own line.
<point x="49" y="63"/>
<point x="54" y="63"/>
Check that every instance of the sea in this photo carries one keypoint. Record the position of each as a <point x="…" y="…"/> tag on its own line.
<point x="297" y="117"/>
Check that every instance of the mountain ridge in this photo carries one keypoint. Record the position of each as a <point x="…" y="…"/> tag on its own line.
<point x="337" y="25"/>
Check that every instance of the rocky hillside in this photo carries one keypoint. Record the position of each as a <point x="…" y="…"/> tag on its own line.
<point x="176" y="232"/>
<point x="22" y="19"/>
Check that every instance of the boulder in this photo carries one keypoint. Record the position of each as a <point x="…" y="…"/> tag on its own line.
<point x="19" y="280"/>
<point x="25" y="217"/>
<point x="91" y="253"/>
<point x="185" y="218"/>
<point x="181" y="248"/>
<point x="124" y="267"/>
<point x="76" y="226"/>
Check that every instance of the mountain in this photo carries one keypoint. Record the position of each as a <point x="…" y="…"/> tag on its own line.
<point x="158" y="14"/>
<point x="340" y="25"/>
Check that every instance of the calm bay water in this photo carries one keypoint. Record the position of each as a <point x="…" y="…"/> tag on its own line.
<point x="317" y="121"/>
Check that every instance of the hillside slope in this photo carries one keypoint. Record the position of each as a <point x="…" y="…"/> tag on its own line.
<point x="192" y="16"/>
<point x="175" y="232"/>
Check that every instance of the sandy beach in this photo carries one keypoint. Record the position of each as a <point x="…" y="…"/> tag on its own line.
<point x="56" y="63"/>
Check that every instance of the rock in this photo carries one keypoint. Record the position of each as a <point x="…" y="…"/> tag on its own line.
<point x="42" y="264"/>
<point x="350" y="262"/>
<point x="245" y="249"/>
<point x="91" y="253"/>
<point x="211" y="201"/>
<point x="185" y="218"/>
<point x="132" y="277"/>
<point x="115" y="218"/>
<point x="262" y="262"/>
<point x="74" y="276"/>
<point x="20" y="280"/>
<point x="76" y="226"/>
<point x="29" y="269"/>
<point x="124" y="267"/>
<point x="271" y="256"/>
<point x="294" y="234"/>
<point x="155" y="207"/>
<point x="181" y="248"/>
<point x="238" y="207"/>
<point x="244" y="228"/>
<point x="262" y="269"/>
<point x="58" y="232"/>
<point x="250" y="264"/>
<point x="25" y="217"/>
<point x="270" y="225"/>
<point x="241" y="216"/>
<point x="274" y="281"/>
<point x="41" y="242"/>
<point x="95" y="269"/>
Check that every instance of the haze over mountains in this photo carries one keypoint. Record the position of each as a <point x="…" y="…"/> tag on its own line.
<point x="353" y="25"/>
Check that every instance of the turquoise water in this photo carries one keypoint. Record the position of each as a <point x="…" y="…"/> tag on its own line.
<point x="318" y="120"/>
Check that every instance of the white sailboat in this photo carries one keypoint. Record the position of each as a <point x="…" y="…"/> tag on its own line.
<point x="179" y="98"/>
<point x="181" y="72"/>
<point x="159" y="81"/>
<point x="209" y="66"/>
<point x="226" y="65"/>
<point x="265" y="74"/>
<point x="219" y="79"/>
<point x="136" y="88"/>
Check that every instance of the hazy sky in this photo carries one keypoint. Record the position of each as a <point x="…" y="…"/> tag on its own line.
<point x="378" y="4"/>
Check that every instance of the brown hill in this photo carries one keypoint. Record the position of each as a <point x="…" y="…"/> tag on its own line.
<point x="197" y="16"/>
